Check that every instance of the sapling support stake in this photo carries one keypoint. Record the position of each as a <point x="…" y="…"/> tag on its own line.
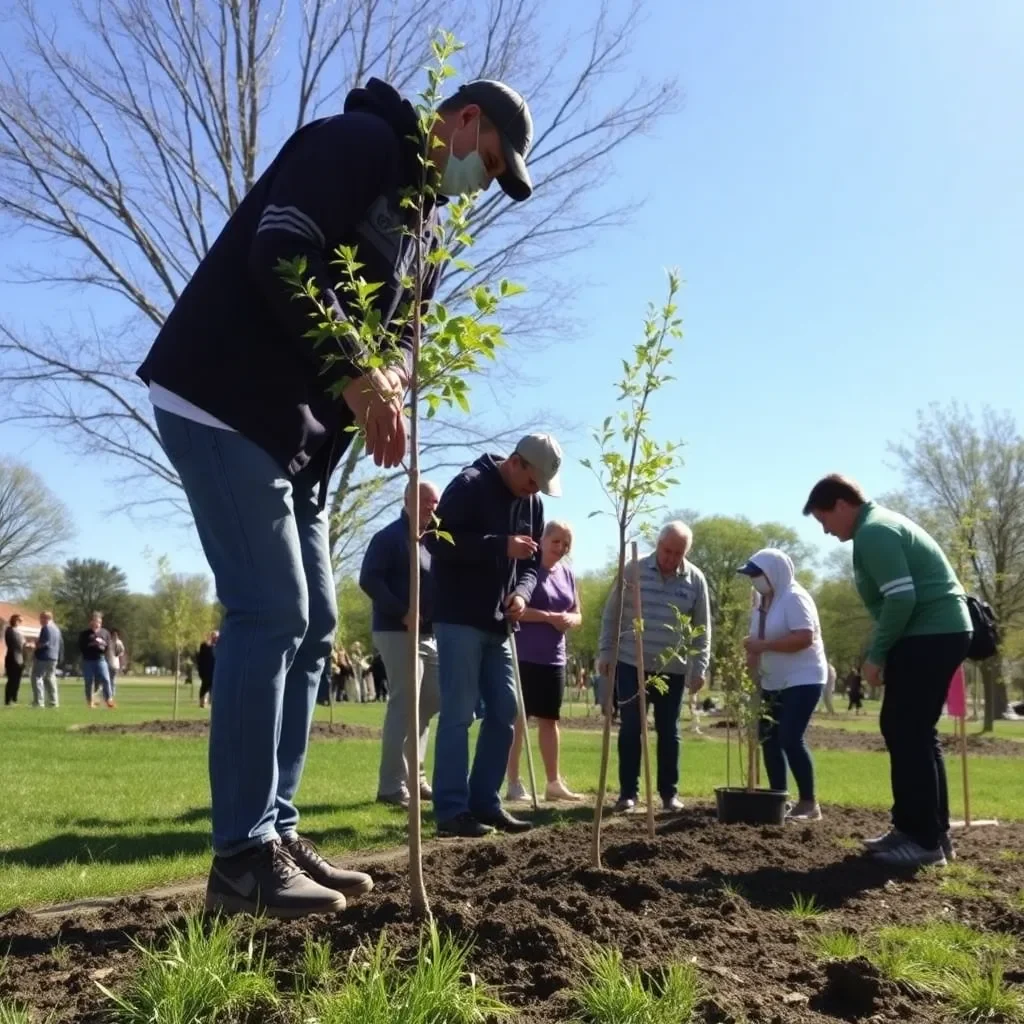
<point x="521" y="712"/>
<point x="641" y="687"/>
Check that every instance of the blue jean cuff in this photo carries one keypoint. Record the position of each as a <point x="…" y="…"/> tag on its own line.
<point x="233" y="849"/>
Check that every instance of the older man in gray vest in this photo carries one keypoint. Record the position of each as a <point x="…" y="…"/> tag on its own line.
<point x="668" y="583"/>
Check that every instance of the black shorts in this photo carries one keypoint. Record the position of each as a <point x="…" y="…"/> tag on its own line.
<point x="543" y="688"/>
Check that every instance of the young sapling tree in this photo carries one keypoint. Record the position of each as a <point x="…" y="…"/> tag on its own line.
<point x="635" y="472"/>
<point x="437" y="347"/>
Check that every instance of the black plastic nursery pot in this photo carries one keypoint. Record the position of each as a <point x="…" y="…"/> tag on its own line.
<point x="738" y="806"/>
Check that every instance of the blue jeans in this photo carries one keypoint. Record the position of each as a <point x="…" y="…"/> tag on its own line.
<point x="96" y="674"/>
<point x="666" y="723"/>
<point x="472" y="664"/>
<point x="788" y="713"/>
<point x="267" y="545"/>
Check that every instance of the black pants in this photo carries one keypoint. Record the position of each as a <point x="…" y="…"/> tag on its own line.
<point x="205" y="686"/>
<point x="918" y="671"/>
<point x="14" y="674"/>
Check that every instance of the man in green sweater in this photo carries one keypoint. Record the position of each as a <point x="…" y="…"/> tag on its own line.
<point x="922" y="633"/>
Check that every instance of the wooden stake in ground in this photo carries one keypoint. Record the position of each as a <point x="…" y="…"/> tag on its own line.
<point x="523" y="724"/>
<point x="641" y="687"/>
<point x="963" y="760"/>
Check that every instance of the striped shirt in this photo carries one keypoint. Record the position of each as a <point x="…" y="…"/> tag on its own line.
<point x="685" y="590"/>
<point x="905" y="581"/>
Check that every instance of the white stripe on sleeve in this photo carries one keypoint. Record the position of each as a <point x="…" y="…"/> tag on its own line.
<point x="292" y="219"/>
<point x="886" y="587"/>
<point x="907" y="588"/>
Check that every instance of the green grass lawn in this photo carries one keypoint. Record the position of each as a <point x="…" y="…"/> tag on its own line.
<point x="88" y="815"/>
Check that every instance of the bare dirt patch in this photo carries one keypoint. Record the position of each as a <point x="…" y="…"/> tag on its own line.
<point x="197" y="728"/>
<point x="533" y="905"/>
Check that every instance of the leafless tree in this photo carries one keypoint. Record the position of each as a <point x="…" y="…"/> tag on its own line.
<point x="967" y="480"/>
<point x="33" y="525"/>
<point x="131" y="129"/>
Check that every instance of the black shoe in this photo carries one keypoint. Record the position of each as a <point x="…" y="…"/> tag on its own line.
<point x="503" y="821"/>
<point x="323" y="872"/>
<point x="463" y="826"/>
<point x="266" y="880"/>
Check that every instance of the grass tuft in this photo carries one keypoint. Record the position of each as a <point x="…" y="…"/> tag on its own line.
<point x="202" y="974"/>
<point x="732" y="891"/>
<point x="984" y="995"/>
<point x="438" y="986"/>
<point x="959" y="879"/>
<point x="849" y="843"/>
<point x="315" y="973"/>
<point x="1017" y="901"/>
<point x="805" y="908"/>
<point x="1011" y="856"/>
<point x="12" y="1013"/>
<point x="833" y="946"/>
<point x="612" y="992"/>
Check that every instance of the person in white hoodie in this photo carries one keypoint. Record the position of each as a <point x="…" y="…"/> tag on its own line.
<point x="785" y="649"/>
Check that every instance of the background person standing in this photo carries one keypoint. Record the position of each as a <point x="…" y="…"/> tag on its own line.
<point x="384" y="578"/>
<point x="115" y="660"/>
<point x="14" y="659"/>
<point x="93" y="644"/>
<point x="48" y="655"/>
<point x="484" y="578"/>
<point x="786" y="653"/>
<point x="668" y="583"/>
<point x="922" y="635"/>
<point x="553" y="610"/>
<point x="206" y="661"/>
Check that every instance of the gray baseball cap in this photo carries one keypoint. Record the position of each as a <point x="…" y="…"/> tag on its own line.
<point x="544" y="455"/>
<point x="510" y="115"/>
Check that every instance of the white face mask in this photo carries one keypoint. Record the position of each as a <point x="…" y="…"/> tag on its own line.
<point x="761" y="585"/>
<point x="464" y="175"/>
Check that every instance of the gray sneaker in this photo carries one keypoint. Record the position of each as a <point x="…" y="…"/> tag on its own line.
<point x="266" y="880"/>
<point x="399" y="799"/>
<point x="624" y="805"/>
<point x="909" y="854"/>
<point x="885" y="842"/>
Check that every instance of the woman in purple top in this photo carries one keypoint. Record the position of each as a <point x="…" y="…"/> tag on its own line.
<point x="540" y="643"/>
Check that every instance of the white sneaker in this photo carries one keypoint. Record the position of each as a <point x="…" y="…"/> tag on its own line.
<point x="804" y="810"/>
<point x="558" y="790"/>
<point x="516" y="791"/>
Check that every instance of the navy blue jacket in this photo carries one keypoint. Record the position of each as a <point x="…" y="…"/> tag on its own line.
<point x="234" y="344"/>
<point x="473" y="577"/>
<point x="384" y="578"/>
<point x="50" y="644"/>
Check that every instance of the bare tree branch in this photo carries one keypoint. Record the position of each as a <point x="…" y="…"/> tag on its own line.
<point x="131" y="129"/>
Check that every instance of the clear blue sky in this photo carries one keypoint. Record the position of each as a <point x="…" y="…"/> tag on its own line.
<point x="841" y="190"/>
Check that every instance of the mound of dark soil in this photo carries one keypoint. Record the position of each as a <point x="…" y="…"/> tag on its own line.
<point x="200" y="728"/>
<point x="534" y="904"/>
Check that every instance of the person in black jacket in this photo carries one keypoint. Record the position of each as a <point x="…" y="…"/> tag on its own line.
<point x="254" y="420"/>
<point x="206" y="659"/>
<point x="93" y="644"/>
<point x="483" y="580"/>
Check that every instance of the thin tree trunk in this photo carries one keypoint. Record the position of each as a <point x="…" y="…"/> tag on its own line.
<point x="177" y="666"/>
<point x="609" y="703"/>
<point x="638" y="640"/>
<point x="417" y="888"/>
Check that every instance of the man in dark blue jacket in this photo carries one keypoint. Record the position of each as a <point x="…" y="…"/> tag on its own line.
<point x="483" y="580"/>
<point x="254" y="423"/>
<point x="385" y="580"/>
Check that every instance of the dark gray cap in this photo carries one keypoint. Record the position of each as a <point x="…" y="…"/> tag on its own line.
<point x="510" y="115"/>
